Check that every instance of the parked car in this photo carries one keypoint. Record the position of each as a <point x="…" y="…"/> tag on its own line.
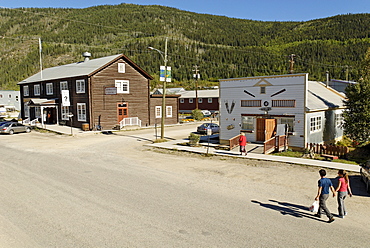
<point x="14" y="127"/>
<point x="203" y="128"/>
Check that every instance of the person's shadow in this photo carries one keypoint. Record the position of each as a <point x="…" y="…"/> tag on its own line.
<point x="286" y="208"/>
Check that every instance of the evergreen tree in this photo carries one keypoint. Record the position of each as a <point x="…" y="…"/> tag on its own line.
<point x="357" y="114"/>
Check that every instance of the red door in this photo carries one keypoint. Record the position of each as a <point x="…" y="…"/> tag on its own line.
<point x="122" y="111"/>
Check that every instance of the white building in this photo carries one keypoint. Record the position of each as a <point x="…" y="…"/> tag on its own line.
<point x="255" y="105"/>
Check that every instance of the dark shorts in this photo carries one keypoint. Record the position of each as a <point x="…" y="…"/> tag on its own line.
<point x="242" y="148"/>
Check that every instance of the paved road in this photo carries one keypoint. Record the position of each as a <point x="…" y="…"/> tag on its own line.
<point x="110" y="191"/>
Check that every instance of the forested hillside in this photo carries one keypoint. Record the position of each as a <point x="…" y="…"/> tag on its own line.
<point x="222" y="47"/>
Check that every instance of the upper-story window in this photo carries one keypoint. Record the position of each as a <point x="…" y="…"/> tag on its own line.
<point x="121" y="67"/>
<point x="80" y="86"/>
<point x="200" y="100"/>
<point x="263" y="90"/>
<point x="63" y="85"/>
<point x="181" y="100"/>
<point x="49" y="88"/>
<point x="26" y="91"/>
<point x="190" y="100"/>
<point x="123" y="86"/>
<point x="9" y="96"/>
<point x="36" y="90"/>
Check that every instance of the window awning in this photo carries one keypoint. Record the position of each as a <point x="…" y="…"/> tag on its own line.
<point x="41" y="102"/>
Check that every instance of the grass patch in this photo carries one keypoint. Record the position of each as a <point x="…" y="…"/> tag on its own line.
<point x="160" y="140"/>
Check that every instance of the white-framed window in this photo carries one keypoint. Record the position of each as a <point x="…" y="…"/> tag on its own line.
<point x="49" y="88"/>
<point x="158" y="111"/>
<point x="26" y="110"/>
<point x="80" y="86"/>
<point x="65" y="112"/>
<point x="315" y="124"/>
<point x="190" y="100"/>
<point x="200" y="100"/>
<point x="168" y="111"/>
<point x="63" y="85"/>
<point x="9" y="96"/>
<point x="121" y="67"/>
<point x="210" y="100"/>
<point x="248" y="123"/>
<point x="26" y="91"/>
<point x="81" y="111"/>
<point x="36" y="90"/>
<point x="339" y="120"/>
<point x="182" y="100"/>
<point x="289" y="121"/>
<point x="123" y="86"/>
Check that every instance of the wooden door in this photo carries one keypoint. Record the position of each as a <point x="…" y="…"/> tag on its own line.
<point x="265" y="129"/>
<point x="122" y="111"/>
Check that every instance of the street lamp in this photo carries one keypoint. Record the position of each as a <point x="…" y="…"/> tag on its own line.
<point x="164" y="57"/>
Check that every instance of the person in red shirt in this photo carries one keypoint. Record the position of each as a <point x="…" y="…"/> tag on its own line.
<point x="242" y="144"/>
<point x="343" y="190"/>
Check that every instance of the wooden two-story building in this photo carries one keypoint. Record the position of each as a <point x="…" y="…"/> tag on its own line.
<point x="109" y="92"/>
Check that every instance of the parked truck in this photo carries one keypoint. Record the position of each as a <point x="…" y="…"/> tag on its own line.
<point x="365" y="175"/>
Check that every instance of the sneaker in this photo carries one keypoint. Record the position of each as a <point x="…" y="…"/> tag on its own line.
<point x="318" y="215"/>
<point x="341" y="216"/>
<point x="331" y="220"/>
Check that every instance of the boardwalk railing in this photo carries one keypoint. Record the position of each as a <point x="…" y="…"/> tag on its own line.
<point x="327" y="149"/>
<point x="234" y="142"/>
<point x="132" y="121"/>
<point x="275" y="144"/>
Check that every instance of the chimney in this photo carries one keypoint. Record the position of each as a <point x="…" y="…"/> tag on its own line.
<point x="327" y="78"/>
<point x="87" y="56"/>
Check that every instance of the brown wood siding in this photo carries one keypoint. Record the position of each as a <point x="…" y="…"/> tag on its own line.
<point x="106" y="105"/>
<point x="214" y="106"/>
<point x="156" y="100"/>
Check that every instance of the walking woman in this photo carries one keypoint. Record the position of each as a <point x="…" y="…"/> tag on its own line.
<point x="343" y="190"/>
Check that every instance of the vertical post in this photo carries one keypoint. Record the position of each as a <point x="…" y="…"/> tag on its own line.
<point x="291" y="61"/>
<point x="196" y="76"/>
<point x="40" y="51"/>
<point x="164" y="91"/>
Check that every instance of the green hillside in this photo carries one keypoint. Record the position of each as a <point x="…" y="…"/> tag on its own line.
<point x="222" y="47"/>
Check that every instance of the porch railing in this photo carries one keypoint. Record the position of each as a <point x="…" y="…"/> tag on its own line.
<point x="234" y="142"/>
<point x="277" y="143"/>
<point x="131" y="121"/>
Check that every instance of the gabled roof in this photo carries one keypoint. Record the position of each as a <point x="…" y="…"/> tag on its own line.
<point x="79" y="69"/>
<point x="320" y="97"/>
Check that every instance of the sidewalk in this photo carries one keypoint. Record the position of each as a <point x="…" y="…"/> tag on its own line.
<point x="174" y="145"/>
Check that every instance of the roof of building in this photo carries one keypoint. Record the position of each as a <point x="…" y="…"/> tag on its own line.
<point x="201" y="94"/>
<point x="84" y="68"/>
<point x="169" y="91"/>
<point x="321" y="97"/>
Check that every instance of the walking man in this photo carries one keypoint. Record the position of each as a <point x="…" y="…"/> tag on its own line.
<point x="323" y="194"/>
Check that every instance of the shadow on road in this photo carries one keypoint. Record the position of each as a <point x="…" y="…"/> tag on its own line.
<point x="358" y="187"/>
<point x="286" y="208"/>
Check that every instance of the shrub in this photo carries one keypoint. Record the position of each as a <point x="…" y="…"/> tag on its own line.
<point x="197" y="114"/>
<point x="194" y="139"/>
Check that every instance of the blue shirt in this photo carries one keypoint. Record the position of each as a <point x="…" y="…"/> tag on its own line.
<point x="325" y="183"/>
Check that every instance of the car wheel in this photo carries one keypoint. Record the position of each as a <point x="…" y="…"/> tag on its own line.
<point x="28" y="130"/>
<point x="11" y="131"/>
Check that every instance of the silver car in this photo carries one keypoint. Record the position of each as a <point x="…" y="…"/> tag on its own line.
<point x="14" y="127"/>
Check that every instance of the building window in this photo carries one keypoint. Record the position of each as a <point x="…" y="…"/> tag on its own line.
<point x="209" y="100"/>
<point x="283" y="103"/>
<point x="339" y="120"/>
<point x="9" y="96"/>
<point x="80" y="86"/>
<point x="263" y="90"/>
<point x="158" y="111"/>
<point x="16" y="98"/>
<point x="122" y="86"/>
<point x="65" y="112"/>
<point x="81" y="111"/>
<point x="36" y="89"/>
<point x="26" y="110"/>
<point x="289" y="122"/>
<point x="121" y="67"/>
<point x="1" y="96"/>
<point x="251" y="103"/>
<point x="181" y="100"/>
<point x="63" y="85"/>
<point x="247" y="123"/>
<point x="200" y="100"/>
<point x="190" y="100"/>
<point x="38" y="112"/>
<point x="315" y="124"/>
<point x="26" y="92"/>
<point x="168" y="111"/>
<point x="49" y="88"/>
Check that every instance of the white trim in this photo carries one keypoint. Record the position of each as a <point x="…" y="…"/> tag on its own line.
<point x="158" y="111"/>
<point x="169" y="111"/>
<point x="81" y="111"/>
<point x="123" y="86"/>
<point x="36" y="89"/>
<point x="122" y="67"/>
<point x="49" y="89"/>
<point x="80" y="86"/>
<point x="26" y="91"/>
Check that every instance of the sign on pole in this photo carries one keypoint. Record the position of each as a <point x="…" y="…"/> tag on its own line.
<point x="162" y="71"/>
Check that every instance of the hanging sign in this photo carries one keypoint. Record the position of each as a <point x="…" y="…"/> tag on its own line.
<point x="165" y="75"/>
<point x="65" y="98"/>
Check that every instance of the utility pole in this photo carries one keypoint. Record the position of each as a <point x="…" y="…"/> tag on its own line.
<point x="347" y="73"/>
<point x="291" y="62"/>
<point x="196" y="75"/>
